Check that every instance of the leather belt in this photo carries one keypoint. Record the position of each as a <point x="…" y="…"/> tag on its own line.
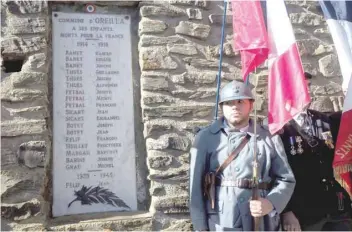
<point x="241" y="183"/>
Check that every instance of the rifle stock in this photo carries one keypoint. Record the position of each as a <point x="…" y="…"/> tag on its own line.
<point x="255" y="196"/>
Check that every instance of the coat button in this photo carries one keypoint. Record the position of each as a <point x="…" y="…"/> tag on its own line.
<point x="241" y="199"/>
<point x="237" y="169"/>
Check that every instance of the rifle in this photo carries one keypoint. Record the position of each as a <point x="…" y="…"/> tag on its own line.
<point x="255" y="189"/>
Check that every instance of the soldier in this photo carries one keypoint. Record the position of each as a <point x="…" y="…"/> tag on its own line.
<point x="318" y="202"/>
<point x="221" y="156"/>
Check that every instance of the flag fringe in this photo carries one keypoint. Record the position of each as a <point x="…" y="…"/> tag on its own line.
<point x="341" y="169"/>
<point x="337" y="174"/>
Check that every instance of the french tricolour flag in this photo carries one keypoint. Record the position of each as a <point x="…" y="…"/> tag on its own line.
<point x="338" y="15"/>
<point x="287" y="88"/>
<point x="342" y="163"/>
<point x="262" y="30"/>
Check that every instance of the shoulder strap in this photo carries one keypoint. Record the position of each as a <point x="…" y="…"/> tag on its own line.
<point x="233" y="155"/>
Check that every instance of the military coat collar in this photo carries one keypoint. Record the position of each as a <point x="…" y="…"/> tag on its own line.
<point x="218" y="125"/>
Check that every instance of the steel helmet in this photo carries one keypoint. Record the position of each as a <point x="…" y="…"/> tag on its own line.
<point x="235" y="90"/>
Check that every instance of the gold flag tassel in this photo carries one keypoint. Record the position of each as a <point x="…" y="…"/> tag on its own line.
<point x="343" y="169"/>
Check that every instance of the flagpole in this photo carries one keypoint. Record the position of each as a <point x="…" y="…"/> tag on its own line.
<point x="220" y="61"/>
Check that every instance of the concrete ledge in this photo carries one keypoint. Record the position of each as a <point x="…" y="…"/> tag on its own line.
<point x="109" y="221"/>
<point x="103" y="216"/>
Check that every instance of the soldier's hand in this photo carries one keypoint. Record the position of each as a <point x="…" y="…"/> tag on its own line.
<point x="260" y="207"/>
<point x="290" y="222"/>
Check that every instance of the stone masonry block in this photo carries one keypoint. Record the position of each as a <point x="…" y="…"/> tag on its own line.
<point x="154" y="26"/>
<point x="23" y="95"/>
<point x="159" y="161"/>
<point x="154" y="58"/>
<point x="216" y="19"/>
<point x="28" y="79"/>
<point x="36" y="63"/>
<point x="202" y="77"/>
<point x="22" y="127"/>
<point x="16" y="46"/>
<point x="322" y="104"/>
<point x="18" y="212"/>
<point x="156" y="98"/>
<point x="163" y="189"/>
<point x="308" y="19"/>
<point x="22" y="190"/>
<point x="201" y="63"/>
<point x="179" y="78"/>
<point x="329" y="65"/>
<point x="32" y="154"/>
<point x="313" y="47"/>
<point x="172" y="204"/>
<point x="166" y="10"/>
<point x="149" y="40"/>
<point x="172" y="174"/>
<point x="196" y="3"/>
<point x="183" y="49"/>
<point x="199" y="31"/>
<point x="28" y="25"/>
<point x="160" y="126"/>
<point x="154" y="83"/>
<point x="27" y="7"/>
<point x="194" y="13"/>
<point x="177" y="111"/>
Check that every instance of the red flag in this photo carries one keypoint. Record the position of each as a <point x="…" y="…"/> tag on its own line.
<point x="342" y="163"/>
<point x="287" y="88"/>
<point x="250" y="35"/>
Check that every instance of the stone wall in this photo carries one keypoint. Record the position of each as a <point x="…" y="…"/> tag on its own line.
<point x="25" y="116"/>
<point x="177" y="54"/>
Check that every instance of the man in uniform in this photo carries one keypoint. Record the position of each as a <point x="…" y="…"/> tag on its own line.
<point x="227" y="204"/>
<point x="318" y="202"/>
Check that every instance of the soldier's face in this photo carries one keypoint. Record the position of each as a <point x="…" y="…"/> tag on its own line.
<point x="237" y="112"/>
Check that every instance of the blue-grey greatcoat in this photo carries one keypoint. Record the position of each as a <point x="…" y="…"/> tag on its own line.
<point x="211" y="147"/>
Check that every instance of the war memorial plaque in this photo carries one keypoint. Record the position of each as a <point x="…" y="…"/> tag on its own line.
<point x="93" y="134"/>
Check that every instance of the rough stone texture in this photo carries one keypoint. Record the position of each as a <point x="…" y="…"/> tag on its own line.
<point x="155" y="58"/>
<point x="159" y="161"/>
<point x="307" y="19"/>
<point x="182" y="49"/>
<point x="167" y="10"/>
<point x="176" y="204"/>
<point x="196" y="30"/>
<point x="24" y="112"/>
<point x="22" y="127"/>
<point x="17" y="212"/>
<point x="313" y="47"/>
<point x="26" y="25"/>
<point x="148" y="40"/>
<point x="194" y="13"/>
<point x="26" y="7"/>
<point x="147" y="25"/>
<point x="22" y="46"/>
<point x="217" y="19"/>
<point x="32" y="154"/>
<point x="110" y="222"/>
<point x="328" y="65"/>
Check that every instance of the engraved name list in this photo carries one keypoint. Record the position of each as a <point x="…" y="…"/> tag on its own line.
<point x="94" y="147"/>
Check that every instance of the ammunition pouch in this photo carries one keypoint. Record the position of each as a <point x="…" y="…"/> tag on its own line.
<point x="209" y="187"/>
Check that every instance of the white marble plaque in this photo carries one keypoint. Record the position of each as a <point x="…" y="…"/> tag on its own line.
<point x="93" y="137"/>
